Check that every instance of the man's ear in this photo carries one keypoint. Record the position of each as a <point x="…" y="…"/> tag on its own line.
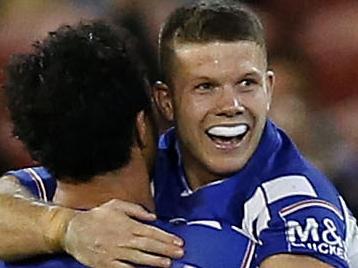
<point x="141" y="129"/>
<point x="270" y="82"/>
<point x="164" y="100"/>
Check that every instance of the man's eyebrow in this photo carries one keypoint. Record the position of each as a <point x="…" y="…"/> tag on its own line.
<point x="253" y="72"/>
<point x="203" y="77"/>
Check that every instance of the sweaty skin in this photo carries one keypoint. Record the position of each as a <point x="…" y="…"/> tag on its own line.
<point x="218" y="84"/>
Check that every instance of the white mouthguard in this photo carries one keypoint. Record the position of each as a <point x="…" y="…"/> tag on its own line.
<point x="227" y="131"/>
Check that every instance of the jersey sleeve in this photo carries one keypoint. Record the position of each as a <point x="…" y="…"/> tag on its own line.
<point x="37" y="180"/>
<point x="305" y="226"/>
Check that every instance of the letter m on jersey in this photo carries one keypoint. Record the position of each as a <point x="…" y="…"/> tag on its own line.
<point x="297" y="233"/>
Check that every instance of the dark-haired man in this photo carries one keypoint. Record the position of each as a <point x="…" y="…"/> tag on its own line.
<point x="225" y="160"/>
<point x="93" y="131"/>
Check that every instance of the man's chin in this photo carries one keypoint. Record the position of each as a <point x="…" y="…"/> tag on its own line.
<point x="226" y="170"/>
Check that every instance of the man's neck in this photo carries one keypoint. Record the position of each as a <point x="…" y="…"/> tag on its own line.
<point x="130" y="183"/>
<point x="196" y="174"/>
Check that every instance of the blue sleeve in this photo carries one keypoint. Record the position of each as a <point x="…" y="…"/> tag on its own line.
<point x="312" y="227"/>
<point x="37" y="180"/>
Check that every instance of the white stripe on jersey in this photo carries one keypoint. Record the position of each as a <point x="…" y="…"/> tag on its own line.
<point x="238" y="230"/>
<point x="213" y="224"/>
<point x="288" y="186"/>
<point x="249" y="254"/>
<point x="256" y="207"/>
<point x="39" y="183"/>
<point x="253" y="207"/>
<point x="310" y="203"/>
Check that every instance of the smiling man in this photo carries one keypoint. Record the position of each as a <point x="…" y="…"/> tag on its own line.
<point x="225" y="160"/>
<point x="221" y="92"/>
<point x="213" y="59"/>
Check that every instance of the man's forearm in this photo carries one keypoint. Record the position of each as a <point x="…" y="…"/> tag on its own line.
<point x="102" y="237"/>
<point x="28" y="227"/>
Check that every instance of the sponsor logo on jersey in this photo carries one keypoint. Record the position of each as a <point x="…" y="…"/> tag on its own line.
<point x="322" y="238"/>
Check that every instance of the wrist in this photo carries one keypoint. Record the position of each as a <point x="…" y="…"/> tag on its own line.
<point x="56" y="222"/>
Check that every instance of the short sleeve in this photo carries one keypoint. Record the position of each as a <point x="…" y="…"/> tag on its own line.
<point x="311" y="227"/>
<point x="37" y="180"/>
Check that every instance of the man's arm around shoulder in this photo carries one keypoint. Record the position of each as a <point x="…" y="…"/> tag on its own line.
<point x="27" y="226"/>
<point x="102" y="237"/>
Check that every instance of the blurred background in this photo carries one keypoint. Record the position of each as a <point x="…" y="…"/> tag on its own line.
<point x="313" y="48"/>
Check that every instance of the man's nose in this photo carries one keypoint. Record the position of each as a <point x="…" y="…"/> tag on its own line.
<point x="228" y="103"/>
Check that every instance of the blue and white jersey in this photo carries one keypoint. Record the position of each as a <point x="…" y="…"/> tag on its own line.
<point x="278" y="199"/>
<point x="208" y="244"/>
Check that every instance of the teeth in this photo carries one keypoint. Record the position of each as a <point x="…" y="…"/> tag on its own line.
<point x="226" y="131"/>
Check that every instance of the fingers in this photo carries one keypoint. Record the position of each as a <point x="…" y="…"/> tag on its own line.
<point x="140" y="213"/>
<point x="143" y="258"/>
<point x="111" y="236"/>
<point x="132" y="210"/>
<point x="114" y="264"/>
<point x="150" y="245"/>
<point x="157" y="234"/>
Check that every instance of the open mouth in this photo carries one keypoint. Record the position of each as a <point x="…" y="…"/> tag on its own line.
<point x="226" y="137"/>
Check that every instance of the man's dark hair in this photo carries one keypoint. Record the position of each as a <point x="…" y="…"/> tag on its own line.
<point x="74" y="99"/>
<point x="204" y="22"/>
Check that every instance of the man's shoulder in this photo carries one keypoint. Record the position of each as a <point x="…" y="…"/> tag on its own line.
<point x="287" y="173"/>
<point x="301" y="214"/>
<point x="38" y="180"/>
<point x="291" y="185"/>
<point x="295" y="197"/>
<point x="294" y="208"/>
<point x="281" y="172"/>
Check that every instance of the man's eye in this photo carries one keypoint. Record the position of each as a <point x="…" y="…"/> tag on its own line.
<point x="205" y="86"/>
<point x="248" y="82"/>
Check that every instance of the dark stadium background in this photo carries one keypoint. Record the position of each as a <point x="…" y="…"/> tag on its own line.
<point x="313" y="47"/>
